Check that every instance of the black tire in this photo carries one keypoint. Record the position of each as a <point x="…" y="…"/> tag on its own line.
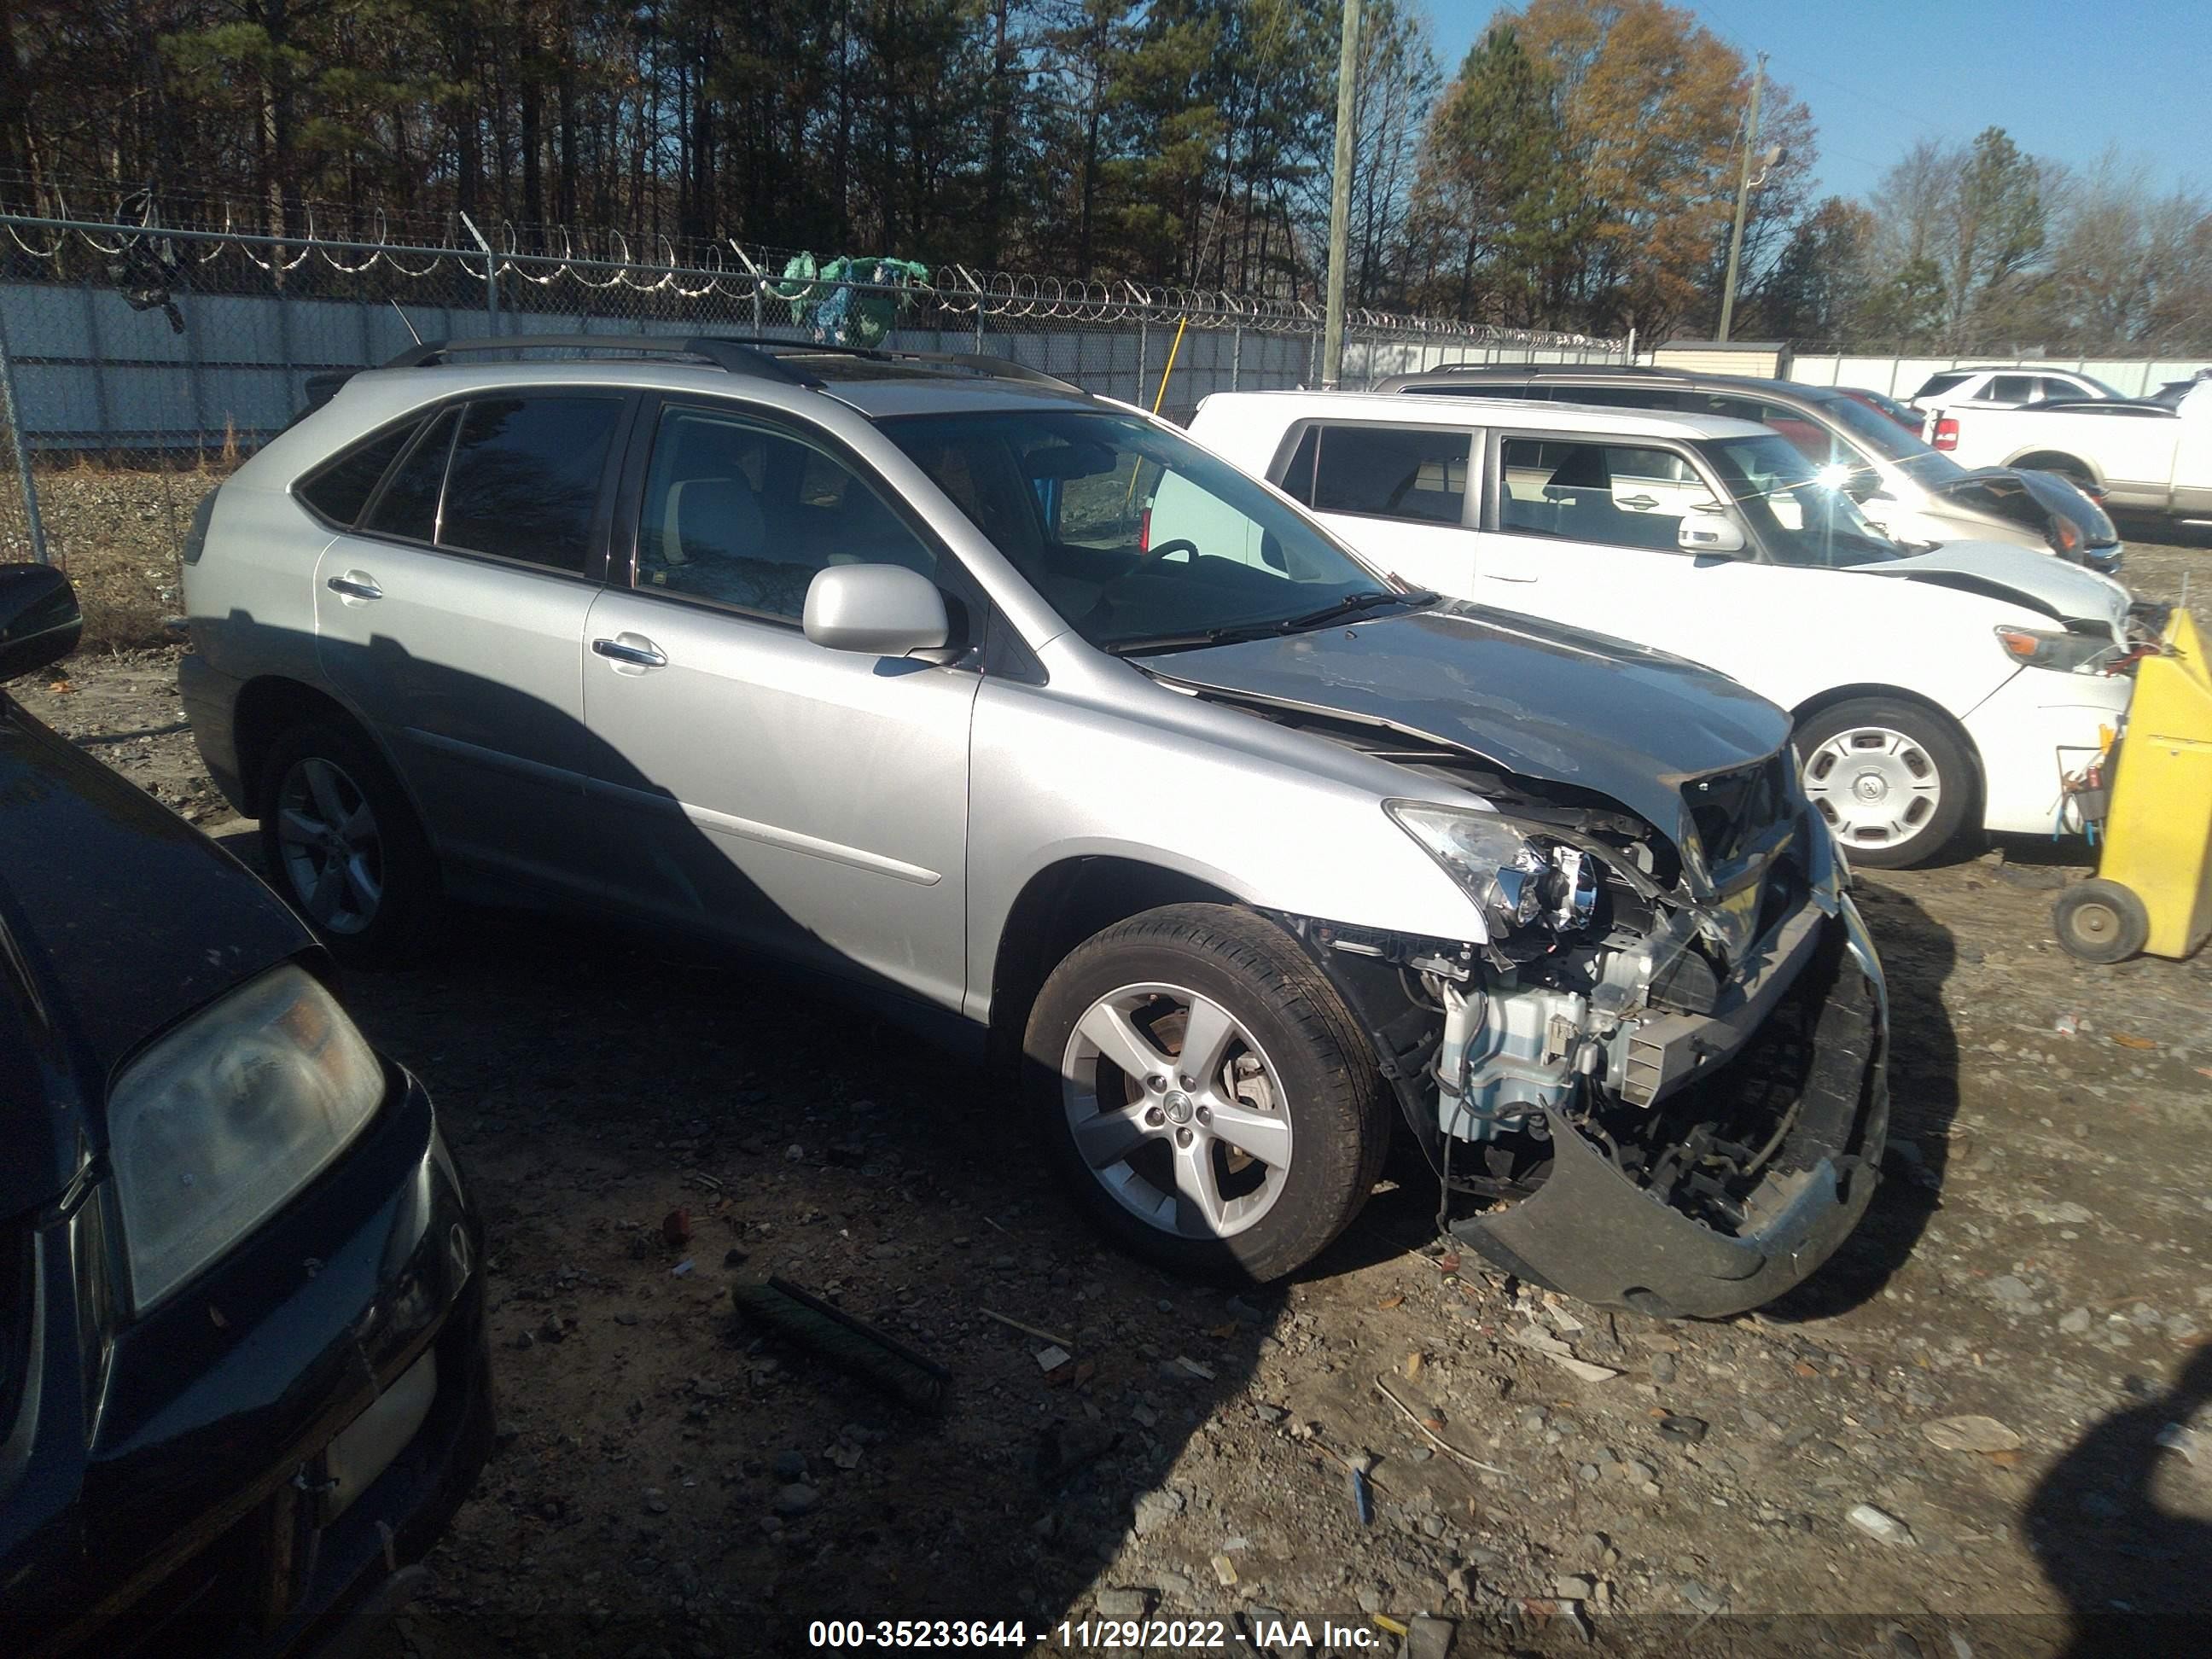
<point x="1331" y="1091"/>
<point x="2100" y="921"/>
<point x="401" y="922"/>
<point x="1913" y="835"/>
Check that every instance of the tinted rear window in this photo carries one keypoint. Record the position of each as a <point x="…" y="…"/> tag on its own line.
<point x="1936" y="384"/>
<point x="1397" y="472"/>
<point x="525" y="478"/>
<point x="341" y="489"/>
<point x="408" y="505"/>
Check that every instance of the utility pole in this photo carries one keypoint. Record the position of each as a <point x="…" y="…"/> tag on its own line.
<point x="1340" y="197"/>
<point x="1742" y="198"/>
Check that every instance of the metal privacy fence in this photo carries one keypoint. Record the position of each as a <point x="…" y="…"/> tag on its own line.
<point x="171" y="352"/>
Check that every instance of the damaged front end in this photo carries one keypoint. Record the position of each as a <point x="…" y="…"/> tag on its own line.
<point x="1660" y="1083"/>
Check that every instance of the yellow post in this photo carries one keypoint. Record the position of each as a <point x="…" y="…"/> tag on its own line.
<point x="1174" y="346"/>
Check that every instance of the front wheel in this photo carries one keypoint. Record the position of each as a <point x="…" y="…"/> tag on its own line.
<point x="1209" y="1100"/>
<point x="1891" y="780"/>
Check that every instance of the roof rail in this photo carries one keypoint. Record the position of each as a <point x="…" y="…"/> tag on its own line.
<point x="758" y="356"/>
<point x="976" y="362"/>
<point x="736" y="357"/>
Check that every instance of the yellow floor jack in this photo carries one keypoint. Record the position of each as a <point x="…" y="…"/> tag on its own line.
<point x="2152" y="890"/>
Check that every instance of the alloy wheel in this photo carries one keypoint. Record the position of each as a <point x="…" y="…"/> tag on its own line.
<point x="1177" y="1111"/>
<point x="332" y="850"/>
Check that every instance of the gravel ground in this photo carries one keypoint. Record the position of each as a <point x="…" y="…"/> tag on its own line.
<point x="673" y="1483"/>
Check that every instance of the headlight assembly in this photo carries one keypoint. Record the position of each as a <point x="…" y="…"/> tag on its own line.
<point x="1516" y="874"/>
<point x="215" y="1126"/>
<point x="2064" y="654"/>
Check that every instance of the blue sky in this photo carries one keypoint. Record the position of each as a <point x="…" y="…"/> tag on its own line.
<point x="2066" y="80"/>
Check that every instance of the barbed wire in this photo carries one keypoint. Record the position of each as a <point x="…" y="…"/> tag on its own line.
<point x="547" y="257"/>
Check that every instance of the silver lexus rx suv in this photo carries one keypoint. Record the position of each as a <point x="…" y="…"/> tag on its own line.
<point x="1011" y="706"/>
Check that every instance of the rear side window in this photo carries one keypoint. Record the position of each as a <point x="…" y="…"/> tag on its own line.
<point x="343" y="488"/>
<point x="1391" y="472"/>
<point x="525" y="478"/>
<point x="2010" y="389"/>
<point x="408" y="505"/>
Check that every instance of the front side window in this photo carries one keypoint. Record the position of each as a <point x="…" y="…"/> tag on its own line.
<point x="1382" y="472"/>
<point x="1800" y="514"/>
<point x="1135" y="535"/>
<point x="744" y="514"/>
<point x="525" y="478"/>
<point x="1614" y="494"/>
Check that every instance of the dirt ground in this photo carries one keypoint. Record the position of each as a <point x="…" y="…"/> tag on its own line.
<point x="671" y="1482"/>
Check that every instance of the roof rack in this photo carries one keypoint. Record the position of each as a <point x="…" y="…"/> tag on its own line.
<point x="736" y="357"/>
<point x="758" y="355"/>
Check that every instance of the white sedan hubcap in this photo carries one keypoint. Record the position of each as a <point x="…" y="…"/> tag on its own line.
<point x="1876" y="787"/>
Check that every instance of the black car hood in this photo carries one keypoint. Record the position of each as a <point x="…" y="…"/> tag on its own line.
<point x="117" y="918"/>
<point x="2027" y="496"/>
<point x="1530" y="697"/>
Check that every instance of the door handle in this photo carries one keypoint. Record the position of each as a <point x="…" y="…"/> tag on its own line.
<point x="356" y="585"/>
<point x="633" y="649"/>
<point x="1641" y="503"/>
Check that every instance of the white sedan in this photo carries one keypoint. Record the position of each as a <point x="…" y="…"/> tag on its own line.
<point x="1930" y="691"/>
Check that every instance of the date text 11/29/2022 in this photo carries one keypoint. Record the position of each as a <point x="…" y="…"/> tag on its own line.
<point x="1171" y="1636"/>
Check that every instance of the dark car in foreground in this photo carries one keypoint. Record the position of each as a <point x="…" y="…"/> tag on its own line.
<point x="244" y="1380"/>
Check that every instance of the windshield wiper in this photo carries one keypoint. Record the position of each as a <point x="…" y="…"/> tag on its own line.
<point x="1231" y="633"/>
<point x="1355" y="601"/>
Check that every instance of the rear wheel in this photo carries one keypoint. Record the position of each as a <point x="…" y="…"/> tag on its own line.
<point x="1891" y="780"/>
<point x="1209" y="1100"/>
<point x="340" y="841"/>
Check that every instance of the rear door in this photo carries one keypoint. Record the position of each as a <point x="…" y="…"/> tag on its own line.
<point x="748" y="783"/>
<point x="1398" y="492"/>
<point x="452" y="619"/>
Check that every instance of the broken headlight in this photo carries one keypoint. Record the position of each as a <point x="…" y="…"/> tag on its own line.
<point x="1518" y="875"/>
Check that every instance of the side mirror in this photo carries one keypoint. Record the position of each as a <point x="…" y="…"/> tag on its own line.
<point x="39" y="621"/>
<point x="1709" y="532"/>
<point x="878" y="610"/>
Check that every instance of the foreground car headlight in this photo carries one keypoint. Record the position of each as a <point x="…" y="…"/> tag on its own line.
<point x="217" y="1125"/>
<point x="1516" y="875"/>
<point x="2062" y="652"/>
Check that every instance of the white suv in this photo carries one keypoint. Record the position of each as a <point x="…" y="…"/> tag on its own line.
<point x="1931" y="691"/>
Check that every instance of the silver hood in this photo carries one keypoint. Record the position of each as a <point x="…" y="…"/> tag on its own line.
<point x="2039" y="581"/>
<point x="1530" y="697"/>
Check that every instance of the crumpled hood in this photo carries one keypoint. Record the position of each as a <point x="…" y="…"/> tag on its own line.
<point x="2047" y="491"/>
<point x="1530" y="697"/>
<point x="2048" y="583"/>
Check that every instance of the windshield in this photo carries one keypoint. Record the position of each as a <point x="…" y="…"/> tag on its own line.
<point x="1918" y="459"/>
<point x="1138" y="538"/>
<point x="1798" y="510"/>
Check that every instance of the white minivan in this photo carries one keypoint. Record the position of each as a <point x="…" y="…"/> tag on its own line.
<point x="1931" y="691"/>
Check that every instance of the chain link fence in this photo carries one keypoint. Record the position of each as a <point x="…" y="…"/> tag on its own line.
<point x="139" y="363"/>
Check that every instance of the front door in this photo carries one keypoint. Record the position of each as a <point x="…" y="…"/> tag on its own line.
<point x="749" y="783"/>
<point x="452" y="620"/>
<point x="1582" y="531"/>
